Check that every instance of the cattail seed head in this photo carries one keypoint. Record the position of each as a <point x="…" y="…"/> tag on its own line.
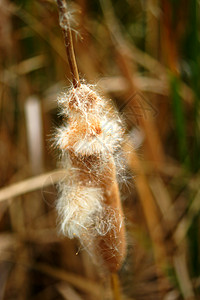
<point x="89" y="205"/>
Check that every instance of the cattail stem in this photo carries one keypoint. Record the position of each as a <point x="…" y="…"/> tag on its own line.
<point x="115" y="285"/>
<point x="64" y="23"/>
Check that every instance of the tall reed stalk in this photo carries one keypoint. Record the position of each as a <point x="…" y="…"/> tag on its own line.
<point x="89" y="205"/>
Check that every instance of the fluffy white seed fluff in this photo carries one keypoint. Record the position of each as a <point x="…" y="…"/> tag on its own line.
<point x="89" y="141"/>
<point x="77" y="207"/>
<point x="92" y="129"/>
<point x="81" y="100"/>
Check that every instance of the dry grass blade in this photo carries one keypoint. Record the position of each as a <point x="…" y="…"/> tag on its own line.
<point x="32" y="184"/>
<point x="146" y="84"/>
<point x="150" y="210"/>
<point x="169" y="221"/>
<point x="166" y="206"/>
<point x="24" y="67"/>
<point x="68" y="292"/>
<point x="184" y="225"/>
<point x="183" y="276"/>
<point x="33" y="112"/>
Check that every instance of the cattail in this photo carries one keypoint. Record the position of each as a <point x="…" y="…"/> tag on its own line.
<point x="89" y="205"/>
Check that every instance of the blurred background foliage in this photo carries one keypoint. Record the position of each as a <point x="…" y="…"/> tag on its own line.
<point x="145" y="56"/>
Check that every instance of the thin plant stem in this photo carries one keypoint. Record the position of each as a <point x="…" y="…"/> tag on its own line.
<point x="64" y="23"/>
<point x="115" y="285"/>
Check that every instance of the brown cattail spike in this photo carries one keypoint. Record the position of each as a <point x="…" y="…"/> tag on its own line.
<point x="89" y="204"/>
